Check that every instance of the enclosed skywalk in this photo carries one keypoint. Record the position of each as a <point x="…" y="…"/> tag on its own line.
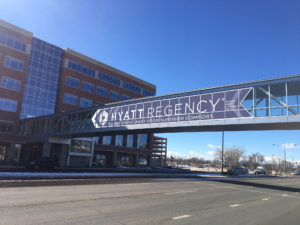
<point x="272" y="104"/>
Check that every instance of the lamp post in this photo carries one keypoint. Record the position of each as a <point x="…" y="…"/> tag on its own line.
<point x="283" y="146"/>
<point x="222" y="151"/>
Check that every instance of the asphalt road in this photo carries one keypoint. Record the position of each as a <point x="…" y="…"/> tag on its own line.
<point x="152" y="201"/>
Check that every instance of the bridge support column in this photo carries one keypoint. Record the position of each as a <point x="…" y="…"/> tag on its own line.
<point x="115" y="163"/>
<point x="136" y="160"/>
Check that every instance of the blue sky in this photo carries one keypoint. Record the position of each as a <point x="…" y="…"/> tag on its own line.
<point x="179" y="45"/>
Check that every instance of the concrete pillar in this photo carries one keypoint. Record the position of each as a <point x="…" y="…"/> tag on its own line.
<point x="135" y="139"/>
<point x="100" y="141"/>
<point x="150" y="161"/>
<point x="136" y="160"/>
<point x="46" y="151"/>
<point x="115" y="157"/>
<point x="9" y="153"/>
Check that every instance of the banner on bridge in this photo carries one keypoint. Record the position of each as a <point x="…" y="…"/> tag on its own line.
<point x="208" y="106"/>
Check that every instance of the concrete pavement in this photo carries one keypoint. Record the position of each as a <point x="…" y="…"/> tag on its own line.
<point x="152" y="201"/>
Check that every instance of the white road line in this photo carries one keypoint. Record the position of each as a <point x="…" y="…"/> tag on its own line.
<point x="178" y="192"/>
<point x="265" y="199"/>
<point x="234" y="205"/>
<point x="180" y="217"/>
<point x="284" y="195"/>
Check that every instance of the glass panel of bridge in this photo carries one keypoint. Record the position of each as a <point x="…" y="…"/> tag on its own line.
<point x="279" y="111"/>
<point x="293" y="97"/>
<point x="278" y="95"/>
<point x="262" y="97"/>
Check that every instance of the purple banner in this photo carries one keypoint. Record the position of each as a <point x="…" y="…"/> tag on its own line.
<point x="211" y="106"/>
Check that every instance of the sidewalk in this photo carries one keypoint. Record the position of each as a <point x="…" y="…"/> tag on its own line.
<point x="86" y="175"/>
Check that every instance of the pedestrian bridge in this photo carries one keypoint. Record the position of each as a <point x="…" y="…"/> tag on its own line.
<point x="272" y="104"/>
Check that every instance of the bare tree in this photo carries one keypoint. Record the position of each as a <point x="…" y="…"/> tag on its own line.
<point x="232" y="156"/>
<point x="255" y="160"/>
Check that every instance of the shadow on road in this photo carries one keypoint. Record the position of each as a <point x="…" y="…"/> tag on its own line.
<point x="260" y="185"/>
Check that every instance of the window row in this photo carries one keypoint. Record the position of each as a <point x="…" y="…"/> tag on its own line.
<point x="108" y="79"/>
<point x="81" y="68"/>
<point x="131" y="87"/>
<point x="14" y="64"/>
<point x="72" y="100"/>
<point x="72" y="82"/>
<point x="8" y="105"/>
<point x="87" y="87"/>
<point x="129" y="141"/>
<point x="10" y="84"/>
<point x="148" y="93"/>
<point x="12" y="42"/>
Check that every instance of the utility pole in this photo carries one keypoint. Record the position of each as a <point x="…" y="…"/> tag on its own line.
<point x="222" y="151"/>
<point x="284" y="160"/>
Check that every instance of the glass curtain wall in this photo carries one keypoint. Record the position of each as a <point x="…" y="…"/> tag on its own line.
<point x="42" y="79"/>
<point x="279" y="99"/>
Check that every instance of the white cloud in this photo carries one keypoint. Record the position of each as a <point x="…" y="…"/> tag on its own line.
<point x="277" y="159"/>
<point x="210" y="152"/>
<point x="175" y="154"/>
<point x="211" y="146"/>
<point x="195" y="154"/>
<point x="289" y="145"/>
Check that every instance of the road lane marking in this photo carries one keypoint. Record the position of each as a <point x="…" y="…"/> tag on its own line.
<point x="234" y="205"/>
<point x="284" y="195"/>
<point x="178" y="192"/>
<point x="180" y="217"/>
<point x="265" y="199"/>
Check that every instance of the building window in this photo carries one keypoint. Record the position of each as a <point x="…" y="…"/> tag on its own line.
<point x="12" y="42"/>
<point x="147" y="93"/>
<point x="81" y="146"/>
<point x="87" y="87"/>
<point x="14" y="64"/>
<point x="10" y="84"/>
<point x="119" y="140"/>
<point x="72" y="82"/>
<point x="125" y="97"/>
<point x="142" y="140"/>
<point x="114" y="95"/>
<point x="70" y="99"/>
<point x="107" y="140"/>
<point x="85" y="103"/>
<point x="8" y="105"/>
<point x="6" y="126"/>
<point x="109" y="79"/>
<point x="101" y="91"/>
<point x="130" y="138"/>
<point x="81" y="68"/>
<point x="132" y="87"/>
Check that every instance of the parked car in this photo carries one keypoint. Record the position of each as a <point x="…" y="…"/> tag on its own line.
<point x="237" y="170"/>
<point x="260" y="170"/>
<point x="296" y="172"/>
<point x="43" y="163"/>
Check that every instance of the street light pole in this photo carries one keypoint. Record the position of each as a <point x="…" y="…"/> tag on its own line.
<point x="222" y="151"/>
<point x="284" y="156"/>
<point x="284" y="160"/>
